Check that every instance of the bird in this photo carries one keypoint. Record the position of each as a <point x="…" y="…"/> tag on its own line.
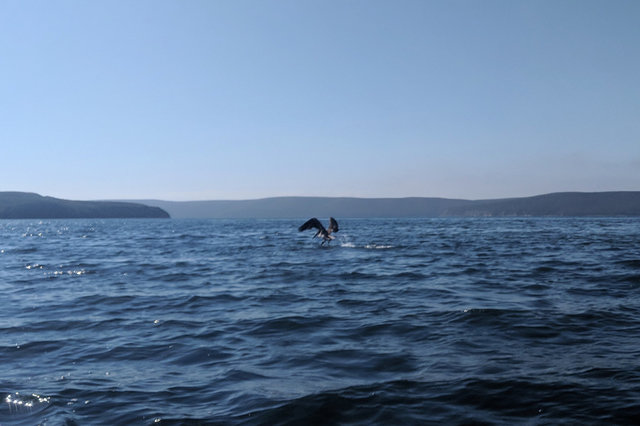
<point x="322" y="232"/>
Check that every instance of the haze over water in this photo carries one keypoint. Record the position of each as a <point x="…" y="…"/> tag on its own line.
<point x="409" y="321"/>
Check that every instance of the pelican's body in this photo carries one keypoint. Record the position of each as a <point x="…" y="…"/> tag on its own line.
<point x="322" y="232"/>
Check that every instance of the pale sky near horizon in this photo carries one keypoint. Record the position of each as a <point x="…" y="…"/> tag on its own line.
<point x="194" y="100"/>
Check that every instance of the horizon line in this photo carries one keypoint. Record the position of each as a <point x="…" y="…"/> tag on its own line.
<point x="139" y="199"/>
<point x="365" y="198"/>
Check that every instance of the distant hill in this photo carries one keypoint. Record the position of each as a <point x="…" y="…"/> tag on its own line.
<point x="23" y="205"/>
<point x="556" y="204"/>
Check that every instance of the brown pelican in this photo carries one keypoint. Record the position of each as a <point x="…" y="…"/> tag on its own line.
<point x="322" y="232"/>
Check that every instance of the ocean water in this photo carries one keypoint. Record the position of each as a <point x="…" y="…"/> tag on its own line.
<point x="398" y="321"/>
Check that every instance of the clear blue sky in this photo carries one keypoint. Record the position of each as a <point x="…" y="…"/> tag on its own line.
<point x="188" y="100"/>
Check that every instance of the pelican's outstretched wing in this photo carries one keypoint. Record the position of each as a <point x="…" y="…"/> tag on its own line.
<point x="312" y="223"/>
<point x="333" y="225"/>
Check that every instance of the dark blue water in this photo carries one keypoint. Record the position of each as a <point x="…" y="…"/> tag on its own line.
<point x="447" y="321"/>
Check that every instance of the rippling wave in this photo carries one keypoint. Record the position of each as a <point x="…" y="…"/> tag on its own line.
<point x="441" y="321"/>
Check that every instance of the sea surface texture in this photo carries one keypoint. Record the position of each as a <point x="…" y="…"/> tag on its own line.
<point x="398" y="321"/>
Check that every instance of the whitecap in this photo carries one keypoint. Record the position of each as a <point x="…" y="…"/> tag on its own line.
<point x="378" y="246"/>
